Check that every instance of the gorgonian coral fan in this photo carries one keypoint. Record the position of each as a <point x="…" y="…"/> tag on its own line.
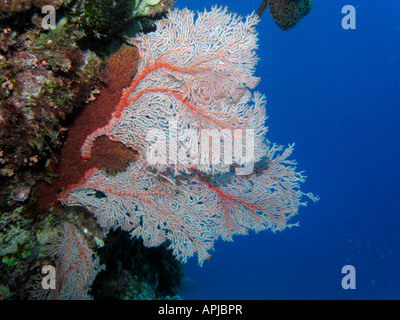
<point x="194" y="74"/>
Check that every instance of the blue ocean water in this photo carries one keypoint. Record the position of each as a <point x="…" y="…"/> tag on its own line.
<point x="336" y="94"/>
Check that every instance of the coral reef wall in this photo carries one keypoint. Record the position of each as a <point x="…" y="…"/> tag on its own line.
<point x="63" y="96"/>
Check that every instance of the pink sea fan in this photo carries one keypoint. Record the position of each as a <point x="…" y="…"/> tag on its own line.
<point x="206" y="58"/>
<point x="152" y="206"/>
<point x="76" y="266"/>
<point x="192" y="211"/>
<point x="266" y="199"/>
<point x="194" y="74"/>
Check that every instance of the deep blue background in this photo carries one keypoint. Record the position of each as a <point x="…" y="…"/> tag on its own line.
<point x="336" y="94"/>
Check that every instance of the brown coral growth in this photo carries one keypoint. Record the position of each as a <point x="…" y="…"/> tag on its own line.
<point x="23" y="5"/>
<point x="151" y="8"/>
<point x="160" y="8"/>
<point x="287" y="13"/>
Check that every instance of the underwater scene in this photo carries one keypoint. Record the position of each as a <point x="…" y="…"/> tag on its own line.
<point x="199" y="150"/>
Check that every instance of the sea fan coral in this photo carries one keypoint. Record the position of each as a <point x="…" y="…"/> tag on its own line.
<point x="191" y="212"/>
<point x="76" y="266"/>
<point x="200" y="79"/>
<point x="195" y="81"/>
